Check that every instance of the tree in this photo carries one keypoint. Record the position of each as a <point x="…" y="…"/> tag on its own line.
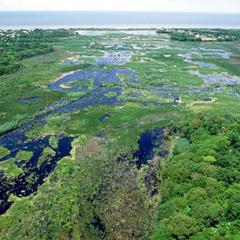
<point x="181" y="226"/>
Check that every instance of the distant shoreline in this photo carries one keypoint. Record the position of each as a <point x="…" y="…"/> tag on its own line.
<point x="107" y="11"/>
<point x="109" y="28"/>
<point x="116" y="20"/>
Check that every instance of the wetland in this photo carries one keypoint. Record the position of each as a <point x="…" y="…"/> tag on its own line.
<point x="119" y="134"/>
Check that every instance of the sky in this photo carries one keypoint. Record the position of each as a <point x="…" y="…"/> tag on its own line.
<point x="230" y="6"/>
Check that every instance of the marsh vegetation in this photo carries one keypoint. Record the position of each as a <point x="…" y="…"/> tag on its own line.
<point x="112" y="134"/>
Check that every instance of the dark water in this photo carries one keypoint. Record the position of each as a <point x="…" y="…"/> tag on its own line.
<point x="98" y="224"/>
<point x="104" y="117"/>
<point x="33" y="174"/>
<point x="148" y="142"/>
<point x="117" y="19"/>
<point x="99" y="78"/>
<point x="29" y="100"/>
<point x="206" y="99"/>
<point x="16" y="140"/>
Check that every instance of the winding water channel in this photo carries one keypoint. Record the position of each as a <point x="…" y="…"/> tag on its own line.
<point x="16" y="140"/>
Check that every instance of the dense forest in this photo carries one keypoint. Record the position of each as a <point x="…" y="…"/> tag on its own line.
<point x="200" y="185"/>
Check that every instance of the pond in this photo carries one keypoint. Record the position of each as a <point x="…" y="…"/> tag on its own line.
<point x="148" y="142"/>
<point x="29" y="100"/>
<point x="104" y="117"/>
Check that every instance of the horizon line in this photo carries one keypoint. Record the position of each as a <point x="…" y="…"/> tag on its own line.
<point x="119" y="11"/>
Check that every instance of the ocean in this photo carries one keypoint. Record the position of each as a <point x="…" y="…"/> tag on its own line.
<point x="77" y="19"/>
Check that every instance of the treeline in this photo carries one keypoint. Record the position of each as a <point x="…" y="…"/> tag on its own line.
<point x="200" y="189"/>
<point x="198" y="35"/>
<point x="18" y="45"/>
<point x="184" y="37"/>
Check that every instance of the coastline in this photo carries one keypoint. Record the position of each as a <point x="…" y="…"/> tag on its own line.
<point x="118" y="20"/>
<point x="117" y="27"/>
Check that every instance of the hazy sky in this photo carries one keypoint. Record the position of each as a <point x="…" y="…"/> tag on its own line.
<point x="124" y="5"/>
